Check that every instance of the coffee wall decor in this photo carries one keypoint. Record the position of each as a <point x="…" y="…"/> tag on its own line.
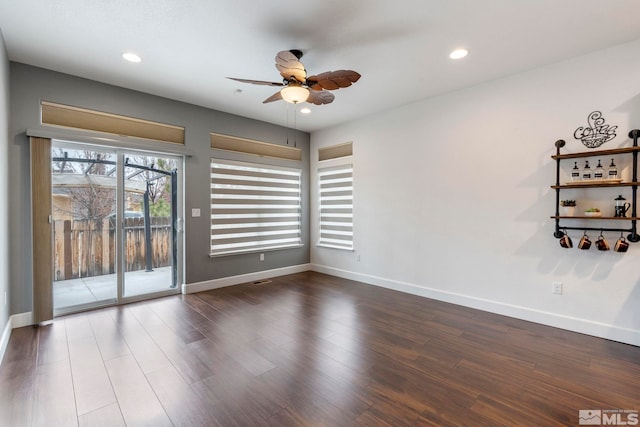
<point x="596" y="132"/>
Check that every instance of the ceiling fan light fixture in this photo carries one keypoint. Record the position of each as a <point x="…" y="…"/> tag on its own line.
<point x="294" y="94"/>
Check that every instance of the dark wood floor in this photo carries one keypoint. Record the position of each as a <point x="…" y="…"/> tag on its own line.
<point x="308" y="350"/>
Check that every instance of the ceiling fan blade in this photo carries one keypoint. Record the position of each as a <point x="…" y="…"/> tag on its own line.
<point x="275" y="97"/>
<point x="256" y="82"/>
<point x="289" y="66"/>
<point x="319" y="97"/>
<point x="332" y="80"/>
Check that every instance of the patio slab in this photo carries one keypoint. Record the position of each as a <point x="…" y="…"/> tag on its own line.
<point x="89" y="290"/>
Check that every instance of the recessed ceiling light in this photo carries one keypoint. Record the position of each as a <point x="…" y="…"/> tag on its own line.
<point x="458" y="53"/>
<point x="131" y="57"/>
<point x="305" y="110"/>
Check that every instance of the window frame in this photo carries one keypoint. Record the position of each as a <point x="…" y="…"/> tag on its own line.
<point x="336" y="225"/>
<point x="265" y="219"/>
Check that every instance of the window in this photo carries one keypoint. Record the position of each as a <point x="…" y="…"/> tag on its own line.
<point x="336" y="206"/>
<point x="254" y="207"/>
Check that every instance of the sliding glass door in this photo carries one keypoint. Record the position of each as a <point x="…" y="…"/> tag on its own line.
<point x="114" y="215"/>
<point x="148" y="232"/>
<point x="83" y="193"/>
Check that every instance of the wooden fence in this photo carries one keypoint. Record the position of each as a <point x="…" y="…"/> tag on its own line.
<point x="85" y="248"/>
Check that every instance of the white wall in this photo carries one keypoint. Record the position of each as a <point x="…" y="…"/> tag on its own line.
<point x="452" y="197"/>
<point x="4" y="192"/>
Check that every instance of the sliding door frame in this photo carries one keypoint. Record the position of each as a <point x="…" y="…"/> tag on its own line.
<point x="42" y="242"/>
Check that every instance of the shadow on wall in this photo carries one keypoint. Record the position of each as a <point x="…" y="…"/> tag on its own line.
<point x="632" y="109"/>
<point x="629" y="313"/>
<point x="592" y="264"/>
<point x="540" y="180"/>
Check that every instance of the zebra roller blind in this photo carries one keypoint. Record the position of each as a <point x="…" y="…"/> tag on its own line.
<point x="336" y="206"/>
<point x="254" y="207"/>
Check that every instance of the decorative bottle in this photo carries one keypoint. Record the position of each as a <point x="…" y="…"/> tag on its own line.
<point x="586" y="172"/>
<point x="598" y="173"/>
<point x="575" y="172"/>
<point x="613" y="170"/>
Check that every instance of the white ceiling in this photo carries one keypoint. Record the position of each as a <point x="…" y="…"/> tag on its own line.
<point x="400" y="47"/>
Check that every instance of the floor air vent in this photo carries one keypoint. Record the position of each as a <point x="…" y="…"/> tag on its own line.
<point x="262" y="282"/>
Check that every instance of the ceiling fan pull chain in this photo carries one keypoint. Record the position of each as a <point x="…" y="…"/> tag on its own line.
<point x="287" y="127"/>
<point x="295" y="125"/>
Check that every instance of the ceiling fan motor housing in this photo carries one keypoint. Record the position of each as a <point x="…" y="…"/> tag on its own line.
<point x="298" y="53"/>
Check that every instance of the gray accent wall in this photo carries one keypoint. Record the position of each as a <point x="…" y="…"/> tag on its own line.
<point x="4" y="184"/>
<point x="29" y="85"/>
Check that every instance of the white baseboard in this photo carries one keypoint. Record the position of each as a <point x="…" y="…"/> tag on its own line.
<point x="21" y="319"/>
<point x="15" y="321"/>
<point x="4" y="341"/>
<point x="242" y="278"/>
<point x="584" y="326"/>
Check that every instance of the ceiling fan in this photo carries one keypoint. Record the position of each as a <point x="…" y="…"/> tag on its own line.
<point x="298" y="87"/>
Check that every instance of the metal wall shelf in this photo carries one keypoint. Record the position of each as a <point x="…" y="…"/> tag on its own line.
<point x="623" y="150"/>
<point x="603" y="185"/>
<point x="633" y="150"/>
<point x="599" y="218"/>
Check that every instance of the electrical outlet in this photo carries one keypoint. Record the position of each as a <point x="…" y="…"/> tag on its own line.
<point x="358" y="257"/>
<point x="556" y="288"/>
<point x="261" y="257"/>
<point x="5" y="298"/>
